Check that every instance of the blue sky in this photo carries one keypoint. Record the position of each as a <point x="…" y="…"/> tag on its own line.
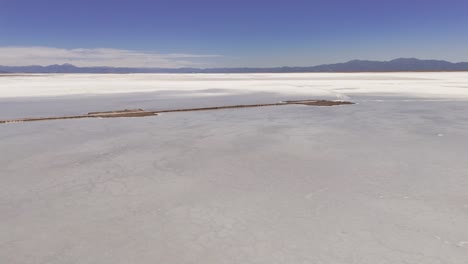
<point x="229" y="33"/>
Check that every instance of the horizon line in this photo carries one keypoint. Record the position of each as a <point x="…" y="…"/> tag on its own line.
<point x="239" y="67"/>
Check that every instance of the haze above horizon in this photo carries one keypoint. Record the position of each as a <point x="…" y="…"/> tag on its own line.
<point x="229" y="34"/>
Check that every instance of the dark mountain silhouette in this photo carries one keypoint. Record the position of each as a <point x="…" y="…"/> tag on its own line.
<point x="402" y="64"/>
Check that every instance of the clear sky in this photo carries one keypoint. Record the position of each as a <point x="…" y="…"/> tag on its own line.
<point x="231" y="33"/>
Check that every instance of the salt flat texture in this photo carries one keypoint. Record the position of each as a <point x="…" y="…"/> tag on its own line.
<point x="333" y="84"/>
<point x="382" y="181"/>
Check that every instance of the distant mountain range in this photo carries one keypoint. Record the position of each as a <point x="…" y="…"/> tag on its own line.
<point x="402" y="64"/>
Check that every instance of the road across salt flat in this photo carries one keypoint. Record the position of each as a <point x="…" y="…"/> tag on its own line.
<point x="382" y="181"/>
<point x="142" y="113"/>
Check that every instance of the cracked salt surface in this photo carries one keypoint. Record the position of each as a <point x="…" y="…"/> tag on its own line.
<point x="367" y="183"/>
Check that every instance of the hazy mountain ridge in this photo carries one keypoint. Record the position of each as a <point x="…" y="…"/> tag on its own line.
<point x="401" y="64"/>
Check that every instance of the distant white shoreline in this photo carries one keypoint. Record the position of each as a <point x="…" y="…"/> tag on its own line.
<point x="338" y="85"/>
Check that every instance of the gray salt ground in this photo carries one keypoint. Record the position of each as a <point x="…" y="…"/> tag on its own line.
<point x="382" y="181"/>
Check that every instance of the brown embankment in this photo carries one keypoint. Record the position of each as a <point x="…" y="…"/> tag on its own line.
<point x="142" y="113"/>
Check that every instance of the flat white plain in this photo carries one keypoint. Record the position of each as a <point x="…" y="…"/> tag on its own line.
<point x="438" y="84"/>
<point x="382" y="181"/>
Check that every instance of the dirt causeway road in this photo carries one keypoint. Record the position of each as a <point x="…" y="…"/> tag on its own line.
<point x="142" y="113"/>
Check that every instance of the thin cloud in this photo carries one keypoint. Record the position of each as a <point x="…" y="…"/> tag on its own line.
<point x="21" y="56"/>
